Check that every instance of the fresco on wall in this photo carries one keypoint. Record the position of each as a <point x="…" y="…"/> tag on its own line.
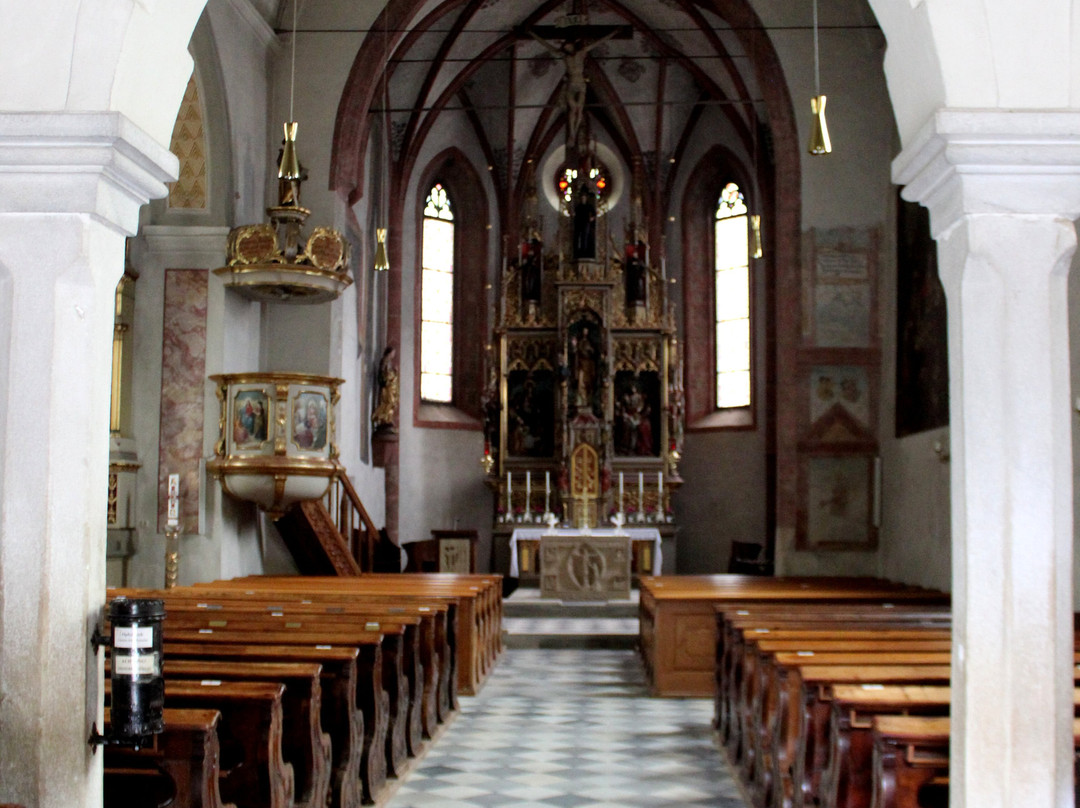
<point x="842" y="297"/>
<point x="922" y="357"/>
<point x="848" y="387"/>
<point x="839" y="503"/>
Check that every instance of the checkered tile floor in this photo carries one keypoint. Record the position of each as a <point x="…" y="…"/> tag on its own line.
<point x="572" y="729"/>
<point x="555" y="625"/>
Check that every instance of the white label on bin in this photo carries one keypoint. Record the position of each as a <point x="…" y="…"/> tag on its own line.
<point x="135" y="665"/>
<point x="133" y="637"/>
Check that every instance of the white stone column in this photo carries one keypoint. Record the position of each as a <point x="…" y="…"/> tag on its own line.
<point x="71" y="186"/>
<point x="1003" y="190"/>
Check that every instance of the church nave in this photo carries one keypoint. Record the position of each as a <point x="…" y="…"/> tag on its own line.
<point x="572" y="728"/>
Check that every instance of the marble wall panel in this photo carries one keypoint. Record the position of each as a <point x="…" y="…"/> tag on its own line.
<point x="183" y="385"/>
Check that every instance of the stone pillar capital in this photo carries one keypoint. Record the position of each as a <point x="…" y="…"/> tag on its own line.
<point x="994" y="162"/>
<point x="97" y="164"/>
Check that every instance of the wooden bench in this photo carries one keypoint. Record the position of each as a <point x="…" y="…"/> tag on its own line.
<point x="430" y="673"/>
<point x="341" y="718"/>
<point x="678" y="622"/>
<point x="188" y="752"/>
<point x="253" y="772"/>
<point x="425" y="655"/>
<point x="371" y="698"/>
<point x="330" y="629"/>
<point x="477" y="601"/>
<point x="846" y="779"/>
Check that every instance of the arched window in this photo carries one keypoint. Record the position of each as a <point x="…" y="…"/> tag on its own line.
<point x="722" y="298"/>
<point x="731" y="286"/>
<point x="437" y="299"/>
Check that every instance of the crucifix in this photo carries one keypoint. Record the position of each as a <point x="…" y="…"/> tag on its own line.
<point x="577" y="37"/>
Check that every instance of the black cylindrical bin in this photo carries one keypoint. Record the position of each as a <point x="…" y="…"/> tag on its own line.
<point x="138" y="689"/>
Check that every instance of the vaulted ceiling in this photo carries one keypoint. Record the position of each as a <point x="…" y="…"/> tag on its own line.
<point x="650" y="86"/>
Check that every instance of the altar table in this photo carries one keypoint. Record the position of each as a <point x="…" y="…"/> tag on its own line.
<point x="538" y="533"/>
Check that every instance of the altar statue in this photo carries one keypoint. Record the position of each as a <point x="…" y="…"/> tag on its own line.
<point x="386" y="402"/>
<point x="585" y="223"/>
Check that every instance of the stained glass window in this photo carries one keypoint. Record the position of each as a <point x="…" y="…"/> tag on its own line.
<point x="437" y="299"/>
<point x="565" y="182"/>
<point x="732" y="290"/>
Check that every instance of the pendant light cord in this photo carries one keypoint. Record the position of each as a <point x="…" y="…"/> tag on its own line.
<point x="817" y="70"/>
<point x="292" y="67"/>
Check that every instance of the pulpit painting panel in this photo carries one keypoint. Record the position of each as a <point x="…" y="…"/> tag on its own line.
<point x="637" y="413"/>
<point x="530" y="421"/>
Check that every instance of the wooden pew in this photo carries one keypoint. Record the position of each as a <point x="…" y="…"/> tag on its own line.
<point x="477" y="600"/>
<point x="777" y="724"/>
<point x="678" y="621"/>
<point x="847" y="777"/>
<point x="341" y="718"/>
<point x="424" y="653"/>
<point x="188" y="752"/>
<point x="254" y="773"/>
<point x="911" y="754"/>
<point x="428" y="674"/>
<point x="304" y="745"/>
<point x="371" y="697"/>
<point x="333" y="629"/>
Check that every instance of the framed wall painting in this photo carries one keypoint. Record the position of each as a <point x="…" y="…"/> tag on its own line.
<point x="838" y="501"/>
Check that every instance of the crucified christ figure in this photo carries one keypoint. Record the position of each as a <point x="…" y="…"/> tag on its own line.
<point x="573" y="53"/>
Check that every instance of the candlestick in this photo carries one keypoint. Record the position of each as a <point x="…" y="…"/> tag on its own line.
<point x="641" y="495"/>
<point x="547" y="492"/>
<point x="659" y="495"/>
<point x="620" y="492"/>
<point x="510" y="495"/>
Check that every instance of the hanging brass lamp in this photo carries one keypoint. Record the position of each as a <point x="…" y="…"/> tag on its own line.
<point x="272" y="262"/>
<point x="382" y="264"/>
<point x="819" y="132"/>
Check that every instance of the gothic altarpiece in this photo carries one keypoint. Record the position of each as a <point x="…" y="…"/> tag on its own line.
<point x="584" y="394"/>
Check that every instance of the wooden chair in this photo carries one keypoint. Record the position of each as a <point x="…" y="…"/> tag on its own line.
<point x="748" y="558"/>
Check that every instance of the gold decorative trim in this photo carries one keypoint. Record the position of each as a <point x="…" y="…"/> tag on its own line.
<point x="114" y="486"/>
<point x="285" y="377"/>
<point x="124" y="466"/>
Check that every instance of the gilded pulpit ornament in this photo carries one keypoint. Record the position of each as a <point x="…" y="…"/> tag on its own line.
<point x="272" y="262"/>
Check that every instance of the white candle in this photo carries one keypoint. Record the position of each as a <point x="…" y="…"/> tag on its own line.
<point x="620" y="492"/>
<point x="547" y="492"/>
<point x="641" y="493"/>
<point x="528" y="494"/>
<point x="659" y="495"/>
<point x="509" y="495"/>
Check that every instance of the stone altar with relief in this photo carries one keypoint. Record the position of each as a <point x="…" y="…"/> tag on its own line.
<point x="585" y="567"/>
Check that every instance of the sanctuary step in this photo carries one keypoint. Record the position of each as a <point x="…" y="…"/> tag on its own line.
<point x="530" y="621"/>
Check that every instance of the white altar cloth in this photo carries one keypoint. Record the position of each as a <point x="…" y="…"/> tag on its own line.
<point x="538" y="533"/>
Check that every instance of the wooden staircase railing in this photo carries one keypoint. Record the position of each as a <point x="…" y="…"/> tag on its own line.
<point x="353" y="522"/>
